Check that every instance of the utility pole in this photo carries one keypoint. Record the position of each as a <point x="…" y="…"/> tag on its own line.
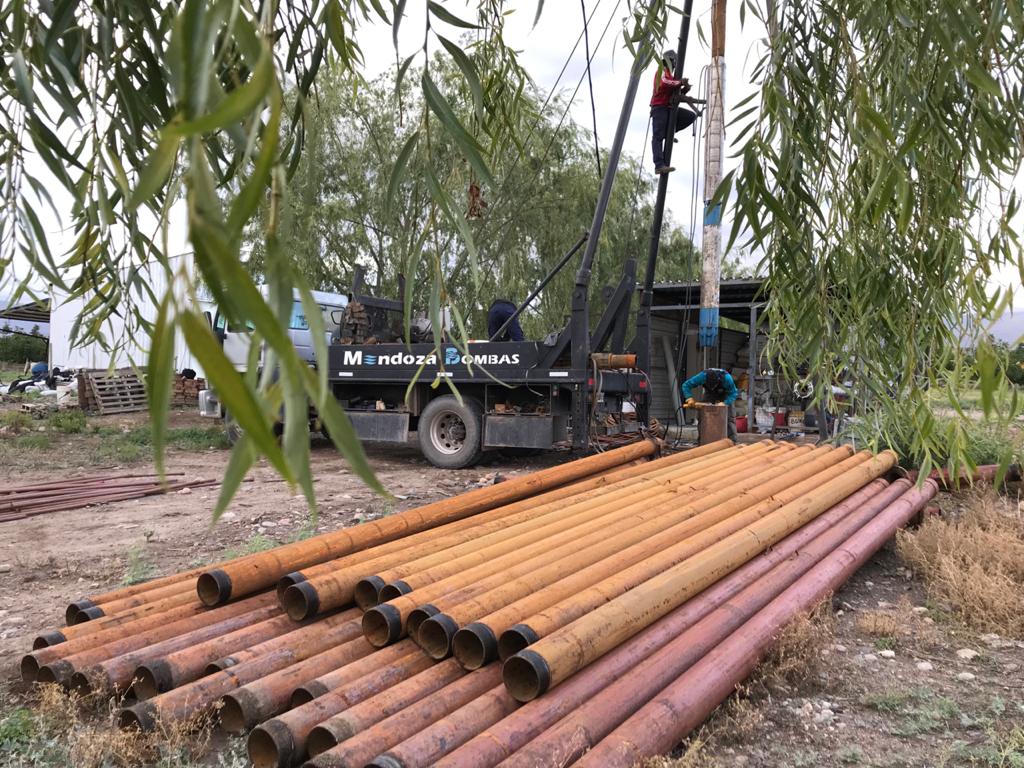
<point x="711" y="246"/>
<point x="642" y="345"/>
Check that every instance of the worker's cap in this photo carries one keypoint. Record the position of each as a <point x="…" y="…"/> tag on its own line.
<point x="670" y="57"/>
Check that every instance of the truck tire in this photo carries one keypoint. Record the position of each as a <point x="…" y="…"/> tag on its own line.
<point x="450" y="432"/>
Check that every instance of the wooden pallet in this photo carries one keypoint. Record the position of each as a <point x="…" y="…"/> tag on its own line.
<point x="119" y="392"/>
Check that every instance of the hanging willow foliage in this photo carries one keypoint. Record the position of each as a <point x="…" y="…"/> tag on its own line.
<point x="133" y="106"/>
<point x="877" y="177"/>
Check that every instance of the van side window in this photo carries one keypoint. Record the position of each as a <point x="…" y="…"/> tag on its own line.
<point x="298" y="321"/>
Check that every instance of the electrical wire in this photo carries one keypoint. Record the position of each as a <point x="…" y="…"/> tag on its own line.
<point x="590" y="83"/>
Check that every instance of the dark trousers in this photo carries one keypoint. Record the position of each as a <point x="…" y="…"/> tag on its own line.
<point x="499" y="312"/>
<point x="659" y="129"/>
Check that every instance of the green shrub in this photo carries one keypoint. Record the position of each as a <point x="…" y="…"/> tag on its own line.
<point x="17" y="421"/>
<point x="70" y="422"/>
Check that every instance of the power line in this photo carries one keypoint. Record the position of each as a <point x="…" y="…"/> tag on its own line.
<point x="590" y="82"/>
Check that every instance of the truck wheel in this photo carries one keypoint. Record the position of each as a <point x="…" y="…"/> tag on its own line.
<point x="450" y="431"/>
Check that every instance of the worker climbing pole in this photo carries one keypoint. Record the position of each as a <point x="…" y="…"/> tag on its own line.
<point x="711" y="244"/>
<point x="643" y="319"/>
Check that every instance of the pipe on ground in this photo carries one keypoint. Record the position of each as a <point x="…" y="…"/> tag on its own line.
<point x="256" y="572"/>
<point x="365" y="714"/>
<point x="281" y="741"/>
<point x="89" y="615"/>
<point x="686" y="701"/>
<point x="114" y="607"/>
<point x="83" y="604"/>
<point x="411" y="731"/>
<point x="444" y="535"/>
<point x="554" y="658"/>
<point x="197" y="698"/>
<point x="389" y="621"/>
<point x="604" y="710"/>
<point x="347" y="578"/>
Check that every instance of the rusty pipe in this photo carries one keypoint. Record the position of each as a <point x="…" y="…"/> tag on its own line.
<point x="365" y="714"/>
<point x="122" y="639"/>
<point x="281" y="740"/>
<point x="500" y="739"/>
<point x="244" y="709"/>
<point x="545" y="532"/>
<point x="198" y="697"/>
<point x="444" y="535"/>
<point x="89" y="615"/>
<point x="662" y="540"/>
<point x="255" y="572"/>
<point x="388" y="621"/>
<point x="410" y="735"/>
<point x="685" y="701"/>
<point x="541" y="612"/>
<point x="113" y="607"/>
<point x="604" y="709"/>
<point x="92" y="601"/>
<point x="554" y="658"/>
<point x="138" y="623"/>
<point x="157" y="673"/>
<point x="339" y="584"/>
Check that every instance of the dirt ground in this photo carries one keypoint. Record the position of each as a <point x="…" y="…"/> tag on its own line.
<point x="908" y="698"/>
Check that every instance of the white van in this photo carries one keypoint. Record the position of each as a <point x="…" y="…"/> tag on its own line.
<point x="236" y="341"/>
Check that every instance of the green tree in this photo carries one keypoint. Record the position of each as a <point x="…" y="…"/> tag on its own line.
<point x="337" y="213"/>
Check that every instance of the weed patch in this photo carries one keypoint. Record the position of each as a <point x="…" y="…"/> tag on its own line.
<point x="796" y="655"/>
<point x="138" y="568"/>
<point x="70" y="421"/>
<point x="974" y="562"/>
<point x="16" y="422"/>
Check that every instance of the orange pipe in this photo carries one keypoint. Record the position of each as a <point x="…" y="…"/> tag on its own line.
<point x="388" y="621"/>
<point x="83" y="604"/>
<point x="552" y="659"/>
<point x="281" y="741"/>
<point x="410" y="732"/>
<point x="138" y="624"/>
<point x="718" y="515"/>
<point x="342" y="676"/>
<point x="570" y="520"/>
<point x="344" y="579"/>
<point x="359" y="717"/>
<point x="261" y="699"/>
<point x="158" y="673"/>
<point x="250" y="574"/>
<point x="196" y="699"/>
<point x="146" y="609"/>
<point x="114" y="607"/>
<point x="107" y="643"/>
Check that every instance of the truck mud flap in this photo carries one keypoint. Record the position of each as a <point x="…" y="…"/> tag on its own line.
<point x="380" y="426"/>
<point x="523" y="430"/>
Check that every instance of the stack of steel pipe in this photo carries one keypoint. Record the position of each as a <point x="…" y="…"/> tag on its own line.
<point x="19" y="502"/>
<point x="160" y="635"/>
<point x="603" y="590"/>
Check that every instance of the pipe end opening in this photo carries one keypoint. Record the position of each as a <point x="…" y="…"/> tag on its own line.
<point x="74" y="608"/>
<point x="301" y="601"/>
<point x="141" y="717"/>
<point x="382" y="625"/>
<point x="88" y="614"/>
<point x="526" y="675"/>
<point x="435" y="635"/>
<point x="45" y="640"/>
<point x="475" y="645"/>
<point x="367" y="591"/>
<point x="214" y="587"/>
<point x="416" y="618"/>
<point x="387" y="760"/>
<point x="271" y="746"/>
<point x="152" y="679"/>
<point x="515" y="639"/>
<point x="237" y="715"/>
<point x="320" y="740"/>
<point x="59" y="671"/>
<point x="396" y="588"/>
<point x="288" y="580"/>
<point x="311" y="690"/>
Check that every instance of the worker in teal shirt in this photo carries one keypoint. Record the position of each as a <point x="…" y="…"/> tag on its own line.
<point x="719" y="387"/>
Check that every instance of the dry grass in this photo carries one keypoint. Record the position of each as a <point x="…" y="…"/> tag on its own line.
<point x="878" y="624"/>
<point x="796" y="656"/>
<point x="54" y="728"/>
<point x="694" y="755"/>
<point x="974" y="561"/>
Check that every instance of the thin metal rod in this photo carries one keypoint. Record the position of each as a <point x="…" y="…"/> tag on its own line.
<point x="540" y="287"/>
